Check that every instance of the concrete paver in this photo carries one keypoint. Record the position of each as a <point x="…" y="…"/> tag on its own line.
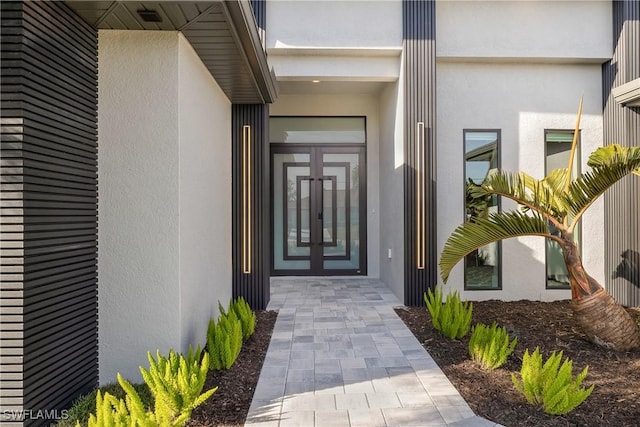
<point x="340" y="356"/>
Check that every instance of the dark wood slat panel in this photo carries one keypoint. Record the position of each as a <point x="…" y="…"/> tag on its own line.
<point x="49" y="204"/>
<point x="254" y="287"/>
<point x="52" y="191"/>
<point x="419" y="73"/>
<point x="25" y="154"/>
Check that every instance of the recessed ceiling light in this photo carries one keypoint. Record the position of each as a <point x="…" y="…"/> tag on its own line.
<point x="315" y="81"/>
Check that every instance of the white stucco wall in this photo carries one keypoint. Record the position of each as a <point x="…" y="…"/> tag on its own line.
<point x="392" y="188"/>
<point x="335" y="40"/>
<point x="205" y="196"/>
<point x="522" y="101"/>
<point x="348" y="105"/>
<point x="554" y="30"/>
<point x="321" y="24"/>
<point x="163" y="129"/>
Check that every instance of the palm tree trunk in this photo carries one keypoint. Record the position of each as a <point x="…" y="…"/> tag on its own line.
<point x="601" y="318"/>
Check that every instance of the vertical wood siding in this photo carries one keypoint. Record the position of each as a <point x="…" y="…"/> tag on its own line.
<point x="622" y="126"/>
<point x="254" y="287"/>
<point x="418" y="24"/>
<point x="49" y="207"/>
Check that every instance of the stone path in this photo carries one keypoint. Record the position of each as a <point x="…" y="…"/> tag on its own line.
<point x="340" y="356"/>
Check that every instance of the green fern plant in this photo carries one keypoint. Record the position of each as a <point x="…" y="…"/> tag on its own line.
<point x="551" y="384"/>
<point x="453" y="318"/>
<point x="224" y="341"/>
<point x="110" y="412"/>
<point x="176" y="383"/>
<point x="247" y="317"/>
<point x="490" y="346"/>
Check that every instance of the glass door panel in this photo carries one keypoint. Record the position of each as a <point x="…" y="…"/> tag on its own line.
<point x="318" y="210"/>
<point x="341" y="221"/>
<point x="292" y="190"/>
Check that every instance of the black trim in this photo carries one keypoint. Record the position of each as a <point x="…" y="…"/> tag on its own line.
<point x="418" y="28"/>
<point x="49" y="183"/>
<point x="622" y="126"/>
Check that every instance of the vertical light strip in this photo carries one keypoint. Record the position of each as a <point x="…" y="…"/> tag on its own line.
<point x="246" y="199"/>
<point x="420" y="197"/>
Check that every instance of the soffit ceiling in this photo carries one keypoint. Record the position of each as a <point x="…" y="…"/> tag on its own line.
<point x="223" y="34"/>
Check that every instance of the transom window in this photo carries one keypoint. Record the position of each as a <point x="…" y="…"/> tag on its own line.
<point x="317" y="130"/>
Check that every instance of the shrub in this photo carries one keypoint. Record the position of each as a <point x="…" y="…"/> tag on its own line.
<point x="247" y="317"/>
<point x="490" y="346"/>
<point x="110" y="411"/>
<point x="86" y="405"/>
<point x="453" y="318"/>
<point x="176" y="383"/>
<point x="551" y="385"/>
<point x="224" y="341"/>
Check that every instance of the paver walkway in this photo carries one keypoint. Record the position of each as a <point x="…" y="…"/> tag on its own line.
<point x="340" y="356"/>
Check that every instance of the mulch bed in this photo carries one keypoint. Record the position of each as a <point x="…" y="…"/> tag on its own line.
<point x="230" y="403"/>
<point x="549" y="325"/>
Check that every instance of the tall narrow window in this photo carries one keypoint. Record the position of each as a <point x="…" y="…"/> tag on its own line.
<point x="557" y="152"/>
<point x="481" y="158"/>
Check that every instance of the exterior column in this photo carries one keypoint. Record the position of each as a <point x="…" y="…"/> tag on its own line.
<point x="48" y="276"/>
<point x="622" y="126"/>
<point x="418" y="25"/>
<point x="251" y="209"/>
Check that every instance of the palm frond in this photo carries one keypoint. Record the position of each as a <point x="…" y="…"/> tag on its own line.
<point x="498" y="226"/>
<point x="555" y="180"/>
<point x="610" y="164"/>
<point x="527" y="191"/>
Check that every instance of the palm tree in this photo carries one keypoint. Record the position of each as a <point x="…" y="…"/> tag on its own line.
<point x="557" y="201"/>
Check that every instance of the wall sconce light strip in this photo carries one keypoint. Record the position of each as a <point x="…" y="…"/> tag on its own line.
<point x="246" y="199"/>
<point x="420" y="197"/>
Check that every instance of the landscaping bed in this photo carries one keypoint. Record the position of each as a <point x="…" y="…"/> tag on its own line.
<point x="549" y="325"/>
<point x="230" y="403"/>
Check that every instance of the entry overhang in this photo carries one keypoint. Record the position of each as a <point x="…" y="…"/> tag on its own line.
<point x="628" y="94"/>
<point x="223" y="34"/>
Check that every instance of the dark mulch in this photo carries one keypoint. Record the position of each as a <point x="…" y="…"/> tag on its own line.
<point x="549" y="325"/>
<point x="230" y="403"/>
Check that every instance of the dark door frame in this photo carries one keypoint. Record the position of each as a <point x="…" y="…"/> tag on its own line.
<point x="316" y="256"/>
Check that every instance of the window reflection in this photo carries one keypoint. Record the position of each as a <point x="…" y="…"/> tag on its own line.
<point x="558" y="149"/>
<point x="482" y="266"/>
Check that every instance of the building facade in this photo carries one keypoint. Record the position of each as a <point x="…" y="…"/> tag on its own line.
<point x="159" y="157"/>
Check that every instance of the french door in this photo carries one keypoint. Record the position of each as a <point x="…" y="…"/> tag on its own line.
<point x="318" y="196"/>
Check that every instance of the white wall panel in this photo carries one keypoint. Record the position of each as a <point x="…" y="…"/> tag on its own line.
<point x="336" y="24"/>
<point x="164" y="203"/>
<point x="392" y="188"/>
<point x="205" y="197"/>
<point x="522" y="101"/>
<point x="555" y="30"/>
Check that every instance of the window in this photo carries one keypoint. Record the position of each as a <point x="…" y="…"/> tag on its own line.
<point x="315" y="130"/>
<point x="481" y="157"/>
<point x="557" y="151"/>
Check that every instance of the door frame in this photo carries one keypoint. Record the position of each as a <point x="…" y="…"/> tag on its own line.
<point x="315" y="151"/>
